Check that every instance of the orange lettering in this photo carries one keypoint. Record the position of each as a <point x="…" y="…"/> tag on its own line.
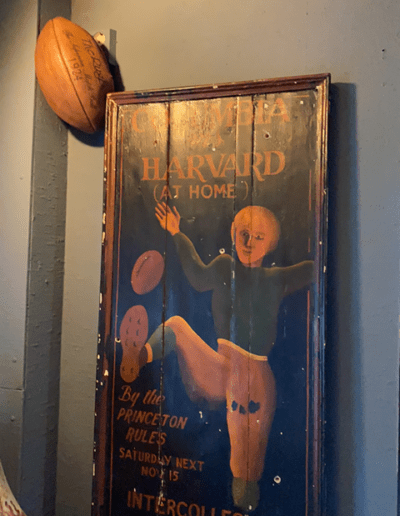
<point x="178" y="508"/>
<point x="137" y="500"/>
<point x="174" y="168"/>
<point x="246" y="170"/>
<point x="210" y="162"/>
<point x="258" y="159"/>
<point x="231" y="191"/>
<point x="230" y="165"/>
<point x="171" y="507"/>
<point x="278" y="109"/>
<point x="147" y="167"/>
<point x="245" y="112"/>
<point x="220" y="190"/>
<point x="228" y="113"/>
<point x="260" y="112"/>
<point x="281" y="166"/>
<point x="192" y="168"/>
<point x="135" y="120"/>
<point x="194" y="191"/>
<point x="165" y="193"/>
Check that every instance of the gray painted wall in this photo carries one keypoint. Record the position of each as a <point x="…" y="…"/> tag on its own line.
<point x="168" y="43"/>
<point x="33" y="146"/>
<point x="18" y="26"/>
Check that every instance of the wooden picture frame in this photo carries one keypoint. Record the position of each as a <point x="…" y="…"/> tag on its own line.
<point x="211" y="342"/>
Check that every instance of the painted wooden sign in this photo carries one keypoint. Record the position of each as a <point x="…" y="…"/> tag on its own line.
<point x="209" y="388"/>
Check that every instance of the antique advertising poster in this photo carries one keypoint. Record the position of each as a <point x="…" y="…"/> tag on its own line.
<point x="210" y="365"/>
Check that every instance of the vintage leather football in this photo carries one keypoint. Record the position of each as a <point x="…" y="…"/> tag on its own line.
<point x="73" y="74"/>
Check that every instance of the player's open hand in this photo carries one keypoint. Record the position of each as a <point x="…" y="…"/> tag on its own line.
<point x="168" y="219"/>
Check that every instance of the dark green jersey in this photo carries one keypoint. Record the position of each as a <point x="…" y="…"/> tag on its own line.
<point x="245" y="300"/>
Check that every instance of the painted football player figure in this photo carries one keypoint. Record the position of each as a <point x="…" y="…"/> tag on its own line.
<point x="245" y="304"/>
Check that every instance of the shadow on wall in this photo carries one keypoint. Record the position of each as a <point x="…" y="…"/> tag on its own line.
<point x="344" y="404"/>
<point x="97" y="139"/>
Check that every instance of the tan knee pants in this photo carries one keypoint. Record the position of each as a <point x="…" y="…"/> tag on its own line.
<point x="244" y="380"/>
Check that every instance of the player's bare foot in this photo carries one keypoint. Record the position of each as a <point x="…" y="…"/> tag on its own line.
<point x="133" y="334"/>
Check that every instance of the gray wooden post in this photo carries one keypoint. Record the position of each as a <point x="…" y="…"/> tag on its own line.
<point x="30" y="351"/>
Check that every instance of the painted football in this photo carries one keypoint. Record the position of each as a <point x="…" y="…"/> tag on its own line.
<point x="147" y="272"/>
<point x="73" y="74"/>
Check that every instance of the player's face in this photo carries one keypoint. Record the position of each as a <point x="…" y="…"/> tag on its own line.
<point x="252" y="242"/>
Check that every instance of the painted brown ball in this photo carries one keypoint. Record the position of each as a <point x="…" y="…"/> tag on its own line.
<point x="147" y="272"/>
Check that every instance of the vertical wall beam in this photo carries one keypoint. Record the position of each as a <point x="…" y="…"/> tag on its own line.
<point x="18" y="22"/>
<point x="44" y="298"/>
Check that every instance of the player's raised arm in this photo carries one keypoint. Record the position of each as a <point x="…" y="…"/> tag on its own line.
<point x="297" y="276"/>
<point x="202" y="277"/>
